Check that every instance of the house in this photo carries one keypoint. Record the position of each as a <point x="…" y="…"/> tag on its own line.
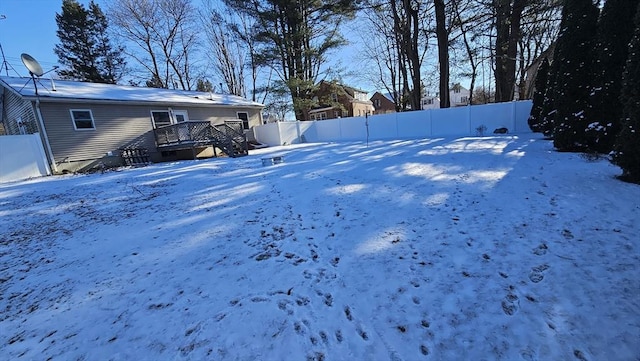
<point x="334" y="100"/>
<point x="88" y="125"/>
<point x="430" y="102"/>
<point x="382" y="103"/>
<point x="531" y="73"/>
<point x="458" y="96"/>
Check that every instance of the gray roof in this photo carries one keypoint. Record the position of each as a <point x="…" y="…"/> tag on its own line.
<point x="65" y="90"/>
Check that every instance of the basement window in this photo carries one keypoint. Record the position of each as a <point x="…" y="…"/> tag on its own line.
<point x="82" y="119"/>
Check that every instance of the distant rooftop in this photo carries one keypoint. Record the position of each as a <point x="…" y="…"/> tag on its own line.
<point x="81" y="91"/>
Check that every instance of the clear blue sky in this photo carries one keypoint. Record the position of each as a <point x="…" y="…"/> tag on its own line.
<point x="29" y="27"/>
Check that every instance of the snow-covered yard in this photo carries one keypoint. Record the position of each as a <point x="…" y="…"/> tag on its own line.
<point x="493" y="248"/>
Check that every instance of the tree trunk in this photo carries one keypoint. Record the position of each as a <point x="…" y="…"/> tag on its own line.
<point x="508" y="34"/>
<point x="443" y="53"/>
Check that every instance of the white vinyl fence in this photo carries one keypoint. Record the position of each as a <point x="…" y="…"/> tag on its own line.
<point x="461" y="121"/>
<point x="22" y="157"/>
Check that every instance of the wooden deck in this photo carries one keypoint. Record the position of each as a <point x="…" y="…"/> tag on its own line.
<point x="192" y="134"/>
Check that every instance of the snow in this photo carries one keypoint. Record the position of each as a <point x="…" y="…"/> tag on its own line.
<point x="493" y="248"/>
<point x="65" y="89"/>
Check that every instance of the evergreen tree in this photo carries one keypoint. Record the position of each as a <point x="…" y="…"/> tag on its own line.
<point x="548" y="109"/>
<point x="85" y="50"/>
<point x="626" y="153"/>
<point x="538" y="96"/>
<point x="573" y="60"/>
<point x="111" y="62"/>
<point x="295" y="38"/>
<point x="204" y="85"/>
<point x="615" y="28"/>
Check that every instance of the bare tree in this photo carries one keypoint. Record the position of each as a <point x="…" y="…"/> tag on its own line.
<point x="380" y="46"/>
<point x="161" y="38"/>
<point x="398" y="44"/>
<point x="540" y="27"/>
<point x="469" y="21"/>
<point x="443" y="52"/>
<point x="225" y="50"/>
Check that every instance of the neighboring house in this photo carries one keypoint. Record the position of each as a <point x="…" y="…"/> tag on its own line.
<point x="88" y="125"/>
<point x="531" y="73"/>
<point x="430" y="102"/>
<point x="382" y="104"/>
<point x="335" y="100"/>
<point x="458" y="96"/>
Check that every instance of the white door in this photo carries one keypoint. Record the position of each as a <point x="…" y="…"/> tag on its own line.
<point x="181" y="116"/>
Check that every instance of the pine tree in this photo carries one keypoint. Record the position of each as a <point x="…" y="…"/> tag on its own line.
<point x="111" y="62"/>
<point x="538" y="96"/>
<point x="615" y="29"/>
<point x="85" y="50"/>
<point x="626" y="152"/>
<point x="574" y="59"/>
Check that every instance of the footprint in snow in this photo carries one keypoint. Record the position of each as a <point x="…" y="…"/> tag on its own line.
<point x="347" y="313"/>
<point x="536" y="274"/>
<point x="540" y="250"/>
<point x="510" y="304"/>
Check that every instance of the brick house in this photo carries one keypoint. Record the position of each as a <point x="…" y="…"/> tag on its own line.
<point x="382" y="104"/>
<point x="334" y="100"/>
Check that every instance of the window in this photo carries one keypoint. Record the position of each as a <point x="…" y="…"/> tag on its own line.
<point x="464" y="99"/>
<point x="160" y="118"/>
<point x="336" y="114"/>
<point x="181" y="116"/>
<point x="376" y="102"/>
<point x="82" y="119"/>
<point x="334" y="97"/>
<point x="323" y="116"/>
<point x="345" y="113"/>
<point x="360" y="96"/>
<point x="244" y="116"/>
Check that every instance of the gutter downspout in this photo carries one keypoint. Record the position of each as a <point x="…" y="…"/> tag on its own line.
<point x="52" y="161"/>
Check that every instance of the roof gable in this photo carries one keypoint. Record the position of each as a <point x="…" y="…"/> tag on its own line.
<point x="81" y="91"/>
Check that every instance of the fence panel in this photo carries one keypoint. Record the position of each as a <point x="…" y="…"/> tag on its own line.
<point x="523" y="109"/>
<point x="328" y="130"/>
<point x="492" y="117"/>
<point x="22" y="157"/>
<point x="384" y="126"/>
<point x="414" y="124"/>
<point x="267" y="134"/>
<point x="450" y="121"/>
<point x="459" y="121"/>
<point x="353" y="129"/>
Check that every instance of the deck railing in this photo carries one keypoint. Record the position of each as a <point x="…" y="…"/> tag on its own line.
<point x="229" y="136"/>
<point x="192" y="131"/>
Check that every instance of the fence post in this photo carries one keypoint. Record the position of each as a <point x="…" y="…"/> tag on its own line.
<point x="513" y="117"/>
<point x="469" y="119"/>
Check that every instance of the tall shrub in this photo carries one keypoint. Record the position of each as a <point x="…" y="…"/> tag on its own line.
<point x="535" y="118"/>
<point x="626" y="153"/>
<point x="615" y="29"/>
<point x="573" y="58"/>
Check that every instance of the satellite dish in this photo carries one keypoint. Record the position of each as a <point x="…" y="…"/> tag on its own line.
<point x="32" y="65"/>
